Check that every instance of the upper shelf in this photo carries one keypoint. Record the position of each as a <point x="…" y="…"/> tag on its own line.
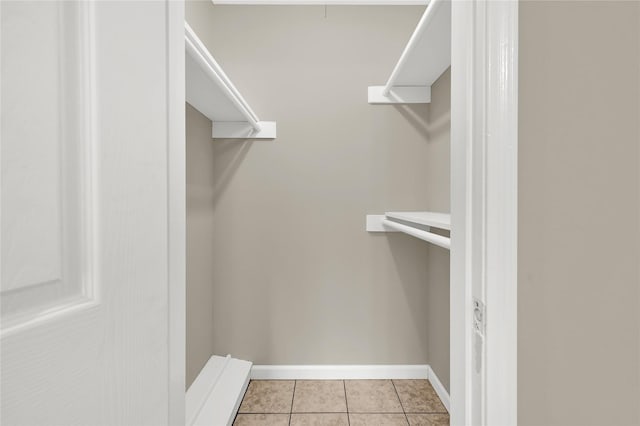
<point x="426" y="57"/>
<point x="210" y="91"/>
<point x="413" y="223"/>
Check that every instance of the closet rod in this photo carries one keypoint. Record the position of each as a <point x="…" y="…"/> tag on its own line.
<point x="415" y="38"/>
<point x="196" y="49"/>
<point x="439" y="240"/>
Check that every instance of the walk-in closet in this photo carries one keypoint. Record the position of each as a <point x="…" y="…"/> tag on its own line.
<point x="318" y="199"/>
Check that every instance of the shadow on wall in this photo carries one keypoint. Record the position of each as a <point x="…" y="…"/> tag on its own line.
<point x="417" y="116"/>
<point x="230" y="334"/>
<point x="438" y="124"/>
<point x="229" y="154"/>
<point x="434" y="119"/>
<point x="431" y="294"/>
<point x="422" y="119"/>
<point x="405" y="250"/>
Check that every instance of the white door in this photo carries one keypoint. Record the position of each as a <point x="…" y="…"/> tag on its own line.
<point x="89" y="263"/>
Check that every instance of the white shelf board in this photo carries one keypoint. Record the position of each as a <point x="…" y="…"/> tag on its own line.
<point x="206" y="96"/>
<point x="431" y="219"/>
<point x="412" y="223"/>
<point x="210" y="91"/>
<point x="426" y="56"/>
<point x="430" y="237"/>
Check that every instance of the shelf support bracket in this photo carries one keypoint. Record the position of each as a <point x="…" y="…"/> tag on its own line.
<point x="243" y="130"/>
<point x="400" y="95"/>
<point x="374" y="223"/>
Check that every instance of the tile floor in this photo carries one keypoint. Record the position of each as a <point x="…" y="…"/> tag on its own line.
<point x="341" y="403"/>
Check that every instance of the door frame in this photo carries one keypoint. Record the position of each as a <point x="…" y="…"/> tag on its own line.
<point x="484" y="216"/>
<point x="176" y="202"/>
<point x="484" y="187"/>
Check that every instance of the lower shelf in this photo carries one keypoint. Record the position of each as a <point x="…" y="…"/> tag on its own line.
<point x="416" y="224"/>
<point x="215" y="395"/>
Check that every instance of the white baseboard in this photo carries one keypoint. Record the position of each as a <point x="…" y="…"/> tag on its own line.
<point x="439" y="388"/>
<point x="338" y="372"/>
<point x="351" y="372"/>
<point x="215" y="395"/>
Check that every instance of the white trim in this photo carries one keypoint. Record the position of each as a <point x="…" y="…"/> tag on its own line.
<point x="484" y="214"/>
<point x="176" y="227"/>
<point x="339" y="372"/>
<point x="462" y="56"/>
<point x="204" y="383"/>
<point x="439" y="388"/>
<point x="323" y="2"/>
<point x="352" y="372"/>
<point x="215" y="395"/>
<point x="501" y="220"/>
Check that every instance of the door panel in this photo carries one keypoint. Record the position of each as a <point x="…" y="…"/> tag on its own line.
<point x="44" y="197"/>
<point x="85" y="94"/>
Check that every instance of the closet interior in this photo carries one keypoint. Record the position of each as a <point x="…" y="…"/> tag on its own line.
<point x="320" y="250"/>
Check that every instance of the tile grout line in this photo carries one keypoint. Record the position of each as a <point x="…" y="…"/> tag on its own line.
<point x="241" y="401"/>
<point x="439" y="400"/>
<point x="348" y="411"/>
<point x="400" y="400"/>
<point x="345" y="412"/>
<point x="292" y="398"/>
<point x="346" y="401"/>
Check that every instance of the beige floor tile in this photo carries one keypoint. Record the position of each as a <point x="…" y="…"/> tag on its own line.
<point x="319" y="396"/>
<point x="359" y="419"/>
<point x="268" y="396"/>
<point x="320" y="419"/>
<point x="428" y="419"/>
<point x="418" y="396"/>
<point x="261" y="420"/>
<point x="372" y="396"/>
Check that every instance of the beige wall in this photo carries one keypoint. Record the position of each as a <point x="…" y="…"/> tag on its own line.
<point x="437" y="163"/>
<point x="200" y="201"/>
<point x="579" y="230"/>
<point x="295" y="277"/>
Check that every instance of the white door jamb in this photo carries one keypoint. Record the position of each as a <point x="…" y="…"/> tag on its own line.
<point x="176" y="233"/>
<point x="484" y="211"/>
